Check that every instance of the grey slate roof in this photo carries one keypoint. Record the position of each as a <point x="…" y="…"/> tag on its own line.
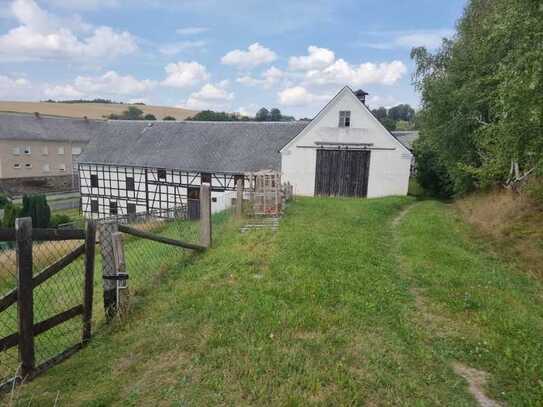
<point x="229" y="147"/>
<point x="407" y="138"/>
<point x="17" y="126"/>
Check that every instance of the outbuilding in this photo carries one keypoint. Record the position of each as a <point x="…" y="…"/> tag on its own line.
<point x="346" y="151"/>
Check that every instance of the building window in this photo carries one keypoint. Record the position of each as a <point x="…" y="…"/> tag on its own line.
<point x="94" y="180"/>
<point x="345" y="118"/>
<point x="60" y="150"/>
<point x="16" y="151"/>
<point x="27" y="151"/>
<point x="62" y="167"/>
<point x="94" y="206"/>
<point x="45" y="151"/>
<point x="130" y="184"/>
<point x="76" y="150"/>
<point x="28" y="165"/>
<point x="161" y="173"/>
<point x="130" y="208"/>
<point x="206" y="177"/>
<point x="46" y="168"/>
<point x="113" y="209"/>
<point x="16" y="165"/>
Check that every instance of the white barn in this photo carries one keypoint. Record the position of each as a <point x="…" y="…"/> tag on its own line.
<point x="345" y="150"/>
<point x="136" y="167"/>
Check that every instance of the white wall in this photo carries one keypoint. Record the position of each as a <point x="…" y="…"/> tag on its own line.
<point x="389" y="167"/>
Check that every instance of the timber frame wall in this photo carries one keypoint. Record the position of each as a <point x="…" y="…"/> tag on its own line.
<point x="124" y="189"/>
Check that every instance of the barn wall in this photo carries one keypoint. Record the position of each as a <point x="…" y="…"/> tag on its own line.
<point x="389" y="169"/>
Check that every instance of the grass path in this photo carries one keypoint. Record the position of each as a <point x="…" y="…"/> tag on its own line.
<point x="324" y="312"/>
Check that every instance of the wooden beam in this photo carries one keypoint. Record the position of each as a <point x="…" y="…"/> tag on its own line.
<point x="205" y="215"/>
<point x="88" y="285"/>
<point x="58" y="234"/>
<point x="161" y="239"/>
<point x="25" y="299"/>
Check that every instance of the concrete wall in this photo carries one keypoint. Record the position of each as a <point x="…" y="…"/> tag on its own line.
<point x="34" y="157"/>
<point x="389" y="162"/>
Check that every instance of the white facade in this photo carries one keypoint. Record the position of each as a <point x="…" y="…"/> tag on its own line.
<point x="389" y="160"/>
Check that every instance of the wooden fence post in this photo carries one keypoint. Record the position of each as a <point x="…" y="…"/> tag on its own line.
<point x="106" y="230"/>
<point x="88" y="289"/>
<point x="239" y="198"/>
<point x="25" y="300"/>
<point x="205" y="215"/>
<point x="123" y="297"/>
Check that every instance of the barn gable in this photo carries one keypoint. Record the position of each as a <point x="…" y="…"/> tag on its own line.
<point x="346" y="151"/>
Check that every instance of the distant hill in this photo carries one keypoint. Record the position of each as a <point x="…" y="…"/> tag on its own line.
<point x="91" y="110"/>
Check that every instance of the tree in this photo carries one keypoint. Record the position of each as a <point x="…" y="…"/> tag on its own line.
<point x="275" y="115"/>
<point x="402" y="112"/>
<point x="380" y="113"/>
<point x="3" y="200"/>
<point x="36" y="207"/>
<point x="263" y="115"/>
<point x="210" y="115"/>
<point x="132" y="113"/>
<point x="389" y="124"/>
<point x="149" y="116"/>
<point x="169" y="118"/>
<point x="482" y="95"/>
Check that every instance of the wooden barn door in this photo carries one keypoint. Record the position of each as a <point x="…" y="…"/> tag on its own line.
<point x="342" y="173"/>
<point x="193" y="204"/>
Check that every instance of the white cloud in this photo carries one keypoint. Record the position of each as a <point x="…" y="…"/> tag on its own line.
<point x="112" y="83"/>
<point x="254" y="56"/>
<point x="62" y="92"/>
<point x="299" y="96"/>
<point x="408" y="39"/>
<point x="210" y="96"/>
<point x="184" y="74"/>
<point x="84" y="4"/>
<point x="13" y="88"/>
<point x="341" y="72"/>
<point x="191" y="30"/>
<point x="249" y="110"/>
<point x="41" y="35"/>
<point x="178" y="47"/>
<point x="269" y="78"/>
<point x="318" y="58"/>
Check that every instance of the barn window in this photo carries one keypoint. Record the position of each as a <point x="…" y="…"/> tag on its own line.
<point x="94" y="180"/>
<point x="206" y="177"/>
<point x="130" y="184"/>
<point x="345" y="118"/>
<point x="161" y="173"/>
<point x="130" y="208"/>
<point x="113" y="209"/>
<point x="94" y="206"/>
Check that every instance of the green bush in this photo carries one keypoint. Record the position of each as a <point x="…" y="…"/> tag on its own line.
<point x="11" y="212"/>
<point x="59" y="219"/>
<point x="3" y="200"/>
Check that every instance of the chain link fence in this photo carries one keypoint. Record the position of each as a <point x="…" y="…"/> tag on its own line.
<point x="9" y="359"/>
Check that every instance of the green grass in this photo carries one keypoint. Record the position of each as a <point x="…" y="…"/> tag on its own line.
<point x="340" y="307"/>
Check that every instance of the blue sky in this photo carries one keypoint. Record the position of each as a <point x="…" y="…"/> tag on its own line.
<point x="234" y="55"/>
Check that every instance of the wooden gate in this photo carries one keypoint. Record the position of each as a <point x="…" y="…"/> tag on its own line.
<point x="342" y="172"/>
<point x="23" y="296"/>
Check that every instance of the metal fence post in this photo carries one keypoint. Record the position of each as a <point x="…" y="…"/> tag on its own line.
<point x="25" y="300"/>
<point x="123" y="297"/>
<point x="88" y="289"/>
<point x="239" y="198"/>
<point x="205" y="215"/>
<point x="106" y="230"/>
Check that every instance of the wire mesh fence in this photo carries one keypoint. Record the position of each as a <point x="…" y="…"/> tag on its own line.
<point x="9" y="359"/>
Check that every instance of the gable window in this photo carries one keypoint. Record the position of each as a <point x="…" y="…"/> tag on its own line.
<point x="94" y="180"/>
<point x="16" y="165"/>
<point x="161" y="173"/>
<point x="113" y="209"/>
<point x="28" y="165"/>
<point x="62" y="167"/>
<point x="46" y="168"/>
<point x="45" y="151"/>
<point x="206" y="177"/>
<point x="16" y="151"/>
<point x="345" y="118"/>
<point x="130" y="184"/>
<point x="60" y="150"/>
<point x="27" y="151"/>
<point x="76" y="150"/>
<point x="94" y="206"/>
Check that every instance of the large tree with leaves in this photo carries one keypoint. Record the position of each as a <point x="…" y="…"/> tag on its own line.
<point x="482" y="95"/>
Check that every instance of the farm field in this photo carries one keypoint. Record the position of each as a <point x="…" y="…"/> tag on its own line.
<point x="352" y="302"/>
<point x="91" y="110"/>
